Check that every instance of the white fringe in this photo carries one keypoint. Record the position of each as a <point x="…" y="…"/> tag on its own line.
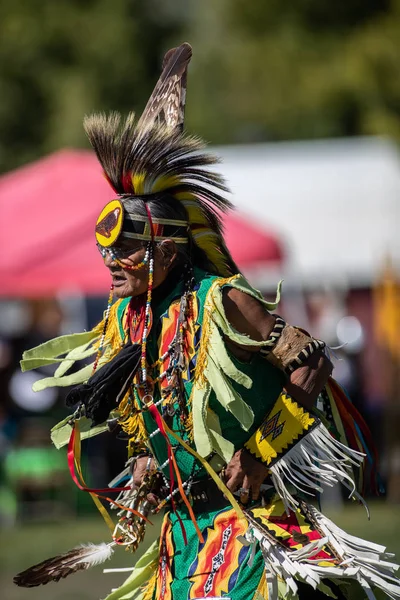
<point x="362" y="561"/>
<point x="315" y="461"/>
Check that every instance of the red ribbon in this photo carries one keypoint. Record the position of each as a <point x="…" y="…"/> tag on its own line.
<point x="150" y="221"/>
<point x="157" y="417"/>
<point x="172" y="462"/>
<point x="71" y="466"/>
<point x="72" y="460"/>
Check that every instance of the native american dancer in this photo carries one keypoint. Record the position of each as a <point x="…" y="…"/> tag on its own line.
<point x="232" y="419"/>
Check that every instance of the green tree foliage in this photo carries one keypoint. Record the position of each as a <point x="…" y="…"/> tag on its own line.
<point x="262" y="69"/>
<point x="60" y="59"/>
<point x="273" y="70"/>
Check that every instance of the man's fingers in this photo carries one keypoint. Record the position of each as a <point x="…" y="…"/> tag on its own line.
<point x="234" y="482"/>
<point x="245" y="490"/>
<point x="250" y="488"/>
<point x="256" y="482"/>
<point x="255" y="490"/>
<point x="153" y="499"/>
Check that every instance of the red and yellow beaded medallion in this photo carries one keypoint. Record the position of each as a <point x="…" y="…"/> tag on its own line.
<point x="109" y="223"/>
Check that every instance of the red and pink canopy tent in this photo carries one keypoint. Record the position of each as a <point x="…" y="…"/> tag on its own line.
<point x="48" y="210"/>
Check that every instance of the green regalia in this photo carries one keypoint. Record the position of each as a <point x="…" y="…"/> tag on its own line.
<point x="163" y="371"/>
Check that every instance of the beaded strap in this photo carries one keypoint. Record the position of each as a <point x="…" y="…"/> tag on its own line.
<point x="134" y="267"/>
<point x="146" y="322"/>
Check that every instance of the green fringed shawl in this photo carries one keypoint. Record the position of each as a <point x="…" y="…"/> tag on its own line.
<point x="217" y="372"/>
<point x="67" y="350"/>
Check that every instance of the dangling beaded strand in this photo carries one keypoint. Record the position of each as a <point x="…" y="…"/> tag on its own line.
<point x="103" y="334"/>
<point x="143" y="363"/>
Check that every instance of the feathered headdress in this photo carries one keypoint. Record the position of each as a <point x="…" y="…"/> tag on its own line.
<point x="154" y="157"/>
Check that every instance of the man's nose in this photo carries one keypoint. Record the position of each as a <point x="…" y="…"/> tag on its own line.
<point x="109" y="260"/>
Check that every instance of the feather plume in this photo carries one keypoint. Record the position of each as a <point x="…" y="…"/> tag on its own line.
<point x="167" y="102"/>
<point x="53" y="569"/>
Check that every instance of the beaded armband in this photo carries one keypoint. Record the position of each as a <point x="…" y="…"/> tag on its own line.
<point x="284" y="425"/>
<point x="289" y="347"/>
<point x="298" y="450"/>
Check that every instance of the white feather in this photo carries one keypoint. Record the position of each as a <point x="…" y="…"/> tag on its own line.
<point x="95" y="554"/>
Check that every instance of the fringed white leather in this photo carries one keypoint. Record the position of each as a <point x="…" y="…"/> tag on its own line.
<point x="361" y="560"/>
<point x="317" y="460"/>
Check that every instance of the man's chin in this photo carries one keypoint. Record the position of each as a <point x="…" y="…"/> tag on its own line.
<point x="124" y="291"/>
<point x="121" y="291"/>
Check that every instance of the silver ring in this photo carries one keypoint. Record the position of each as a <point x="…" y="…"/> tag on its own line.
<point x="244" y="490"/>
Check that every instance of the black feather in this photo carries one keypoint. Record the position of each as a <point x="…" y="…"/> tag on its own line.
<point x="102" y="392"/>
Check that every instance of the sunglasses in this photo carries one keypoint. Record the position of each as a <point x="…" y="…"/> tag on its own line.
<point x="118" y="253"/>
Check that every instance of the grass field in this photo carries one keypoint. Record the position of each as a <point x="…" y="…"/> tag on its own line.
<point x="24" y="546"/>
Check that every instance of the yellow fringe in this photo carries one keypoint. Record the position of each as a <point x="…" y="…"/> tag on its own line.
<point x="113" y="333"/>
<point x="189" y="424"/>
<point x="113" y="340"/>
<point x="150" y="588"/>
<point x="131" y="421"/>
<point x="262" y="589"/>
<point x="202" y="356"/>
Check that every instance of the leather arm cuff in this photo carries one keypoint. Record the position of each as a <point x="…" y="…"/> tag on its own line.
<point x="288" y="347"/>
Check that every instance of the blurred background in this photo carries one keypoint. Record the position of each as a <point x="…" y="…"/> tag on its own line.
<point x="302" y="101"/>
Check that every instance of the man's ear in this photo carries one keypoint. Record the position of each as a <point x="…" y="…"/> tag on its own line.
<point x="168" y="251"/>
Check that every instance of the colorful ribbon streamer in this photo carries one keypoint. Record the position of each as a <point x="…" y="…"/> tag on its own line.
<point x="74" y="462"/>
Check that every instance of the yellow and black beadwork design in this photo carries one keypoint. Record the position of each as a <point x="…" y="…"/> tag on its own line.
<point x="284" y="426"/>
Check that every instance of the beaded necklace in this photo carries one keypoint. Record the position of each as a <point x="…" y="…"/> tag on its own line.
<point x="176" y="366"/>
<point x="103" y="333"/>
<point x="143" y="359"/>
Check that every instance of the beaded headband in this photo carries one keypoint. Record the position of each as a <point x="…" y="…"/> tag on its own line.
<point x="138" y="227"/>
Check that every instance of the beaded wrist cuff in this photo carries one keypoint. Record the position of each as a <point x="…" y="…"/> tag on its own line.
<point x="285" y="424"/>
<point x="300" y="453"/>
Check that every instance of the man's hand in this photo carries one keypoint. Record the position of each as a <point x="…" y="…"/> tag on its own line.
<point x="246" y="474"/>
<point x="307" y="382"/>
<point x="143" y="465"/>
